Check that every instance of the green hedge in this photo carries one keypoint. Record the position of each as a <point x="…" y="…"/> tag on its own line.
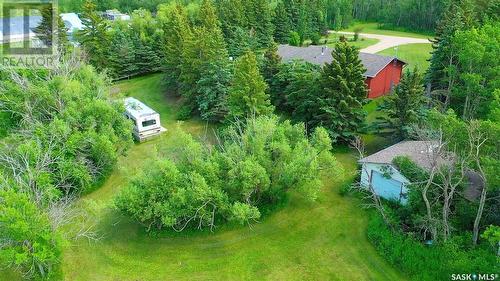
<point x="435" y="262"/>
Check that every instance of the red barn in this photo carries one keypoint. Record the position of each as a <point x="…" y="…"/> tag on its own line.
<point x="382" y="72"/>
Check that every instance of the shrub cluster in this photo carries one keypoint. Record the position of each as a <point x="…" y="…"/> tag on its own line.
<point x="434" y="262"/>
<point x="67" y="130"/>
<point x="65" y="135"/>
<point x="252" y="168"/>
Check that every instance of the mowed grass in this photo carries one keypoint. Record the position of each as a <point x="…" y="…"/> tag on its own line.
<point x="333" y="39"/>
<point x="376" y="28"/>
<point x="374" y="142"/>
<point x="416" y="55"/>
<point x="303" y="240"/>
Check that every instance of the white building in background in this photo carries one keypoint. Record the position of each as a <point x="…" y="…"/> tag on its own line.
<point x="146" y="120"/>
<point x="73" y="23"/>
<point x="115" y="15"/>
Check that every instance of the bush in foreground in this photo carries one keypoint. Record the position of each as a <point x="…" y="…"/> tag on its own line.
<point x="435" y="262"/>
<point x="29" y="243"/>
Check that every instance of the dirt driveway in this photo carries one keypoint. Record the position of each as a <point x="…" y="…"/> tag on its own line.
<point x="386" y="41"/>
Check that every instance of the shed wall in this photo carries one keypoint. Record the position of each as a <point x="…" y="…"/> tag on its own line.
<point x="384" y="81"/>
<point x="384" y="187"/>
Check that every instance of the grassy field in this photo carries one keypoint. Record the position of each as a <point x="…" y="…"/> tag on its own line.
<point x="414" y="54"/>
<point x="374" y="28"/>
<point x="323" y="240"/>
<point x="362" y="43"/>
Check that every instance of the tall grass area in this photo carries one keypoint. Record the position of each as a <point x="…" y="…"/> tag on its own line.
<point x="414" y="54"/>
<point x="5" y="124"/>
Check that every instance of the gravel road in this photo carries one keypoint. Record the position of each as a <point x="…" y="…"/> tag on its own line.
<point x="386" y="41"/>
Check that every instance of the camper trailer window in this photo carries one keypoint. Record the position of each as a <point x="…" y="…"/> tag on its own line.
<point x="149" y="123"/>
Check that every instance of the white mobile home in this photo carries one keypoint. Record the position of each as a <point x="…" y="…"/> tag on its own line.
<point x="146" y="120"/>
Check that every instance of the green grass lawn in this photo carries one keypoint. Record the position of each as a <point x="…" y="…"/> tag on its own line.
<point x="374" y="28"/>
<point x="414" y="54"/>
<point x="303" y="240"/>
<point x="362" y="43"/>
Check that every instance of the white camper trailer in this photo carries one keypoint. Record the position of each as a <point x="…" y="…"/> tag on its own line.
<point x="146" y="120"/>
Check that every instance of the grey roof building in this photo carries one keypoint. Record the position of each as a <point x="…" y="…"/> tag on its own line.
<point x="420" y="152"/>
<point x="321" y="55"/>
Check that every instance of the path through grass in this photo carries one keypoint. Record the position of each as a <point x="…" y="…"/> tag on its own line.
<point x="323" y="240"/>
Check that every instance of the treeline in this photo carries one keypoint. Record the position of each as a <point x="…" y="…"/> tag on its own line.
<point x="123" y="49"/>
<point x="211" y="56"/>
<point x="127" y="6"/>
<point x="258" y="158"/>
<point x="464" y="71"/>
<point x="410" y="14"/>
<point x="420" y="15"/>
<point x="307" y="18"/>
<point x="141" y="46"/>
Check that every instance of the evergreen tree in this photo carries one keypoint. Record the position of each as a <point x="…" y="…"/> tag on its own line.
<point x="235" y="27"/>
<point x="45" y="33"/>
<point x="342" y="94"/>
<point x="231" y="15"/>
<point x="94" y="37"/>
<point x="263" y="23"/>
<point x="282" y="24"/>
<point x="148" y="41"/>
<point x="145" y="56"/>
<point x="247" y="94"/>
<point x="208" y="16"/>
<point x="121" y="55"/>
<point x="271" y="65"/>
<point x="176" y="32"/>
<point x="241" y="41"/>
<point x="212" y="90"/>
<point x="404" y="107"/>
<point x="205" y="53"/>
<point x="293" y="9"/>
<point x="317" y="11"/>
